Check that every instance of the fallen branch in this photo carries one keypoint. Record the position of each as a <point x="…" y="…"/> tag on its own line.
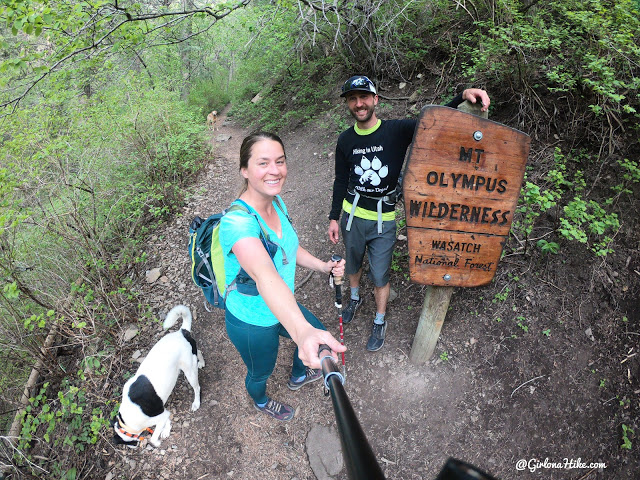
<point x="628" y="357"/>
<point x="14" y="431"/>
<point x="304" y="280"/>
<point x="528" y="381"/>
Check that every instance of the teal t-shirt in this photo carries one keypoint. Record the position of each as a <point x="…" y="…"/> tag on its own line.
<point x="237" y="225"/>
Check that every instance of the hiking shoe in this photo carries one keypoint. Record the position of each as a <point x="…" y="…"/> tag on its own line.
<point x="278" y="410"/>
<point x="376" y="340"/>
<point x="350" y="312"/>
<point x="311" y="376"/>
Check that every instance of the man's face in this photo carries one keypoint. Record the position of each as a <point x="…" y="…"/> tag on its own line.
<point x="361" y="105"/>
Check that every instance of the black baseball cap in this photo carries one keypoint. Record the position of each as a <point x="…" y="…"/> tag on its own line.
<point x="358" y="83"/>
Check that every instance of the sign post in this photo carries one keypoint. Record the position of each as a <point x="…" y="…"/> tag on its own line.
<point x="461" y="186"/>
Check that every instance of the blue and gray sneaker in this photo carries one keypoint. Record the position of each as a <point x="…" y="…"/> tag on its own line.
<point x="278" y="410"/>
<point x="350" y="311"/>
<point x="311" y="376"/>
<point x="376" y="340"/>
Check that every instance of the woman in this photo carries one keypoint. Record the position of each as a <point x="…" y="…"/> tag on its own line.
<point x="255" y="322"/>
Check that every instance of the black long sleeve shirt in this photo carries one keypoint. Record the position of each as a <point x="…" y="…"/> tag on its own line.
<point x="371" y="164"/>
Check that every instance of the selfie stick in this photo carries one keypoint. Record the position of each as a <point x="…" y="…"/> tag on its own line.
<point x="357" y="453"/>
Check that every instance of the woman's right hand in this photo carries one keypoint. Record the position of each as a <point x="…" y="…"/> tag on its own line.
<point x="309" y="343"/>
<point x="336" y="268"/>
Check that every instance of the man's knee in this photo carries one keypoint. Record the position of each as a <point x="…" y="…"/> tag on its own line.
<point x="379" y="273"/>
<point x="380" y="281"/>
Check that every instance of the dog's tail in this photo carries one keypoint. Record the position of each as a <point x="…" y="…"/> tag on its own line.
<point x="174" y="314"/>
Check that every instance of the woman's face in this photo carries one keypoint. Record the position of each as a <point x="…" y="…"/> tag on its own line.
<point x="266" y="170"/>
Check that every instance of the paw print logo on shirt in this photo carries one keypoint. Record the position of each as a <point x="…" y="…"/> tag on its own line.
<point x="371" y="171"/>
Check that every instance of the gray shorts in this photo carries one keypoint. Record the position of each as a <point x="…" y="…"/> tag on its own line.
<point x="364" y="236"/>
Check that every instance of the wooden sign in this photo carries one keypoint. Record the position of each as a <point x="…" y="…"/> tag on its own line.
<point x="461" y="186"/>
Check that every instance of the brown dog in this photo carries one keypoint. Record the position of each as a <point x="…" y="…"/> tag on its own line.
<point x="212" y="120"/>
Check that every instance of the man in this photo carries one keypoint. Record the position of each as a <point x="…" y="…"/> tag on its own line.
<point x="369" y="159"/>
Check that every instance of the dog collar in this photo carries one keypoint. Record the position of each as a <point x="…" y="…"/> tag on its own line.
<point x="135" y="436"/>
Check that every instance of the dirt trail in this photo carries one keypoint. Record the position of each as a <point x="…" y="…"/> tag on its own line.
<point x="476" y="400"/>
<point x="226" y="437"/>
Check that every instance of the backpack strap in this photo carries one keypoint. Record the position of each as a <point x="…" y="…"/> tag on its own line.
<point x="278" y="202"/>
<point x="241" y="205"/>
<point x="244" y="206"/>
<point x="389" y="197"/>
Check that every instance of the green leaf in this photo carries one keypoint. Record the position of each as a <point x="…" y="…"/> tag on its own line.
<point x="11" y="291"/>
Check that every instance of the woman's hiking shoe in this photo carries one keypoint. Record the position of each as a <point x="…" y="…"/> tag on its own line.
<point x="278" y="410"/>
<point x="376" y="340"/>
<point x="350" y="311"/>
<point x="311" y="376"/>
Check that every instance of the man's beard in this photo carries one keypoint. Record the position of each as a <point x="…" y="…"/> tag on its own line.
<point x="366" y="118"/>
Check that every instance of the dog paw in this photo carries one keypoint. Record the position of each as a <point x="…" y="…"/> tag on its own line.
<point x="200" y="360"/>
<point x="155" y="443"/>
<point x="166" y="431"/>
<point x="195" y="405"/>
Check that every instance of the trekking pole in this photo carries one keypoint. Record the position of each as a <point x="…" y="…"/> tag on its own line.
<point x="337" y="281"/>
<point x="357" y="453"/>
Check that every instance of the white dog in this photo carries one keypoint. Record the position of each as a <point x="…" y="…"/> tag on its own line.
<point x="145" y="394"/>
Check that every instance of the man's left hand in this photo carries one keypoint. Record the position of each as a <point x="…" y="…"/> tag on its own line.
<point x="475" y="95"/>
